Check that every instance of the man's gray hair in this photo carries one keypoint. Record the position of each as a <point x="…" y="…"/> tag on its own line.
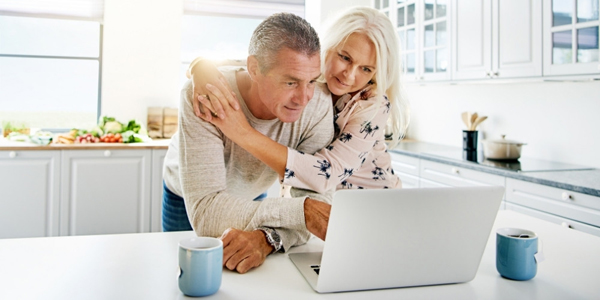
<point x="282" y="30"/>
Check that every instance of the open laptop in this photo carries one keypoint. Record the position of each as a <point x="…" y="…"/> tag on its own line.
<point x="393" y="238"/>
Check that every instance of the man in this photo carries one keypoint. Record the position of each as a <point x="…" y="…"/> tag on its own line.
<point x="218" y="180"/>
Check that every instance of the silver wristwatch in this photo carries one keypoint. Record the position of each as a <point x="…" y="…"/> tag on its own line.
<point x="273" y="238"/>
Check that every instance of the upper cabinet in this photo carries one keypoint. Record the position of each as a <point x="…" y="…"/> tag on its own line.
<point x="571" y="37"/>
<point x="491" y="39"/>
<point x="497" y="39"/>
<point x="423" y="30"/>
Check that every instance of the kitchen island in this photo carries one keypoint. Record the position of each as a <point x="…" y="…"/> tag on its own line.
<point x="144" y="266"/>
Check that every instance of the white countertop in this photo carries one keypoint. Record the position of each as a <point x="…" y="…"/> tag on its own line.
<point x="144" y="266"/>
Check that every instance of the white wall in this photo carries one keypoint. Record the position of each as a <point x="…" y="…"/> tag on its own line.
<point x="141" y="57"/>
<point x="559" y="121"/>
<point x="318" y="11"/>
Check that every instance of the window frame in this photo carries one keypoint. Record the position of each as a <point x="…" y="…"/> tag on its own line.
<point x="99" y="58"/>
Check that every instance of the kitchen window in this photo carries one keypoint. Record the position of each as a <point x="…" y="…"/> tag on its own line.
<point x="221" y="30"/>
<point x="50" y="63"/>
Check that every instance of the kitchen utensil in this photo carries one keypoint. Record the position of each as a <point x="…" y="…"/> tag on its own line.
<point x="473" y="118"/>
<point x="466" y="119"/>
<point x="502" y="149"/>
<point x="477" y="122"/>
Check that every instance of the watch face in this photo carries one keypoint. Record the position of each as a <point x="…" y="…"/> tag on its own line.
<point x="275" y="236"/>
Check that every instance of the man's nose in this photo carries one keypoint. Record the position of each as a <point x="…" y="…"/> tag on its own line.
<point x="304" y="94"/>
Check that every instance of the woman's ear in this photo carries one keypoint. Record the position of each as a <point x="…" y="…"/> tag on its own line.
<point x="252" y="66"/>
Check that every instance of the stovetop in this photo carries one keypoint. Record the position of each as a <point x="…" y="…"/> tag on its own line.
<point x="523" y="164"/>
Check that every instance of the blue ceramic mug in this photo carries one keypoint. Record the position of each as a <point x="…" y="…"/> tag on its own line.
<point x="200" y="266"/>
<point x="515" y="253"/>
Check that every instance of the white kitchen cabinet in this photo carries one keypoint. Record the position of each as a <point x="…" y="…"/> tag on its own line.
<point x="435" y="174"/>
<point x="564" y="204"/>
<point x="565" y="222"/>
<point x="105" y="191"/>
<point x="158" y="158"/>
<point x="423" y="28"/>
<point x="30" y="191"/>
<point x="571" y="36"/>
<point x="407" y="169"/>
<point x="496" y="39"/>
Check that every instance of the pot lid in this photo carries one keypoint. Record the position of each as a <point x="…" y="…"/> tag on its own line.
<point x="505" y="141"/>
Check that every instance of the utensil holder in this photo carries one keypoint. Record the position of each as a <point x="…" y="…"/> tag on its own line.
<point x="470" y="140"/>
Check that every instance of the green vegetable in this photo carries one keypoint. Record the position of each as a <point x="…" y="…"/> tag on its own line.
<point x="133" y="126"/>
<point x="131" y="137"/>
<point x="113" y="127"/>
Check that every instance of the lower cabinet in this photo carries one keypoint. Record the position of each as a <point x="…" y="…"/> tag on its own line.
<point x="435" y="174"/>
<point x="571" y="209"/>
<point x="105" y="191"/>
<point x="29" y="193"/>
<point x="407" y="169"/>
<point x="158" y="159"/>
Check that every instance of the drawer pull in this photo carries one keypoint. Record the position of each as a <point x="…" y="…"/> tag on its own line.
<point x="107" y="153"/>
<point x="12" y="154"/>
<point x="455" y="171"/>
<point x="566" y="225"/>
<point x="566" y="196"/>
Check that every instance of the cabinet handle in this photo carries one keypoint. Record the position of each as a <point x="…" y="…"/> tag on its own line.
<point x="455" y="171"/>
<point x="566" y="196"/>
<point x="488" y="74"/>
<point x="566" y="225"/>
<point x="12" y="154"/>
<point x="107" y="153"/>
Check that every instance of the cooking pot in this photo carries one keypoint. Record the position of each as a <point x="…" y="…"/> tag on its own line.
<point x="502" y="149"/>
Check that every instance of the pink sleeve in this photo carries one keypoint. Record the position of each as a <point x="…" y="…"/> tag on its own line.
<point x="345" y="155"/>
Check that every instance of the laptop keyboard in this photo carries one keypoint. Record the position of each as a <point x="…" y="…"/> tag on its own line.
<point x="316" y="268"/>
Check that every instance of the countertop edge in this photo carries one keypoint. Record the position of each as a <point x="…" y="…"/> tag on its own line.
<point x="509" y="174"/>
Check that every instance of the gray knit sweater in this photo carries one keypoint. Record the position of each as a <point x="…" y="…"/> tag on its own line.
<point x="219" y="180"/>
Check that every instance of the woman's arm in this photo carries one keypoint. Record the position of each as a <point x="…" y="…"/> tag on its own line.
<point x="236" y="127"/>
<point x="203" y="72"/>
<point x="363" y="126"/>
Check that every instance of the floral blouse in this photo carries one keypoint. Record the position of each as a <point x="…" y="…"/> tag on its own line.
<point x="357" y="158"/>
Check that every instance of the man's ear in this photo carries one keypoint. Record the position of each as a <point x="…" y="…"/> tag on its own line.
<point x="253" y="68"/>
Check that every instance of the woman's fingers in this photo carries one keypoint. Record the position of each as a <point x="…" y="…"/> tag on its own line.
<point x="217" y="100"/>
<point x="231" y="97"/>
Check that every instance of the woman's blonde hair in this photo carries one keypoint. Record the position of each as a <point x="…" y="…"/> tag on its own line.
<point x="379" y="29"/>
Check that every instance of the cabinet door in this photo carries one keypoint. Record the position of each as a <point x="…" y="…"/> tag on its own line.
<point x="105" y="191"/>
<point x="517" y="38"/>
<point x="437" y="174"/>
<point x="568" y="223"/>
<point x="407" y="169"/>
<point x="472" y="21"/>
<point x="571" y="33"/>
<point x="572" y="205"/>
<point x="30" y="189"/>
<point x="158" y="159"/>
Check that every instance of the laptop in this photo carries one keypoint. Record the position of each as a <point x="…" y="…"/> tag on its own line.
<point x="391" y="238"/>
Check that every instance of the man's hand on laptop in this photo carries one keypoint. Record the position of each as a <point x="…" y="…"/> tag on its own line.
<point x="316" y="215"/>
<point x="244" y="250"/>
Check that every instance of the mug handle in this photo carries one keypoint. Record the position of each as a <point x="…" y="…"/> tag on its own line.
<point x="539" y="255"/>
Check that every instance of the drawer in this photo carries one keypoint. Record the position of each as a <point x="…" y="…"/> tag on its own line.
<point x="447" y="175"/>
<point x="408" y="181"/>
<point x="405" y="164"/>
<point x="555" y="219"/>
<point x="568" y="204"/>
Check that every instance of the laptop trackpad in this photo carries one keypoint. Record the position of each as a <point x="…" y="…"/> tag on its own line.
<point x="308" y="263"/>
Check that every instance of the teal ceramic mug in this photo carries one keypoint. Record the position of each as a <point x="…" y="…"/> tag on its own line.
<point x="200" y="266"/>
<point x="515" y="253"/>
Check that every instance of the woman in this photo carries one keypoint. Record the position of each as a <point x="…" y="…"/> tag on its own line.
<point x="362" y="71"/>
